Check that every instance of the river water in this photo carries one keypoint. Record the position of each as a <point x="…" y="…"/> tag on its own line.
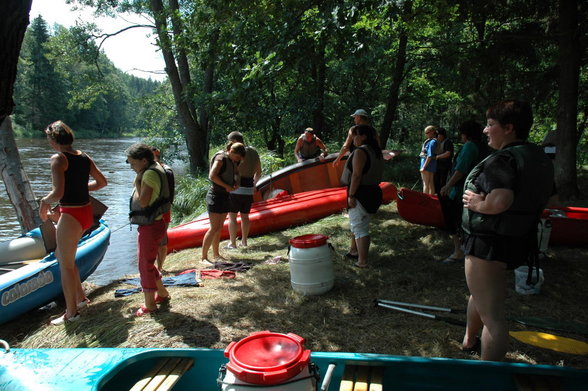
<point x="120" y="259"/>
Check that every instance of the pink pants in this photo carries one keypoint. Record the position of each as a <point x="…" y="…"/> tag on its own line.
<point x="148" y="239"/>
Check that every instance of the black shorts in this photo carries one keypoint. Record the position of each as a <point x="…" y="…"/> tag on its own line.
<point x="241" y="203"/>
<point x="217" y="201"/>
<point x="514" y="251"/>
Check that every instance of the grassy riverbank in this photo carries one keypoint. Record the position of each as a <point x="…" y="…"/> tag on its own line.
<point x="404" y="266"/>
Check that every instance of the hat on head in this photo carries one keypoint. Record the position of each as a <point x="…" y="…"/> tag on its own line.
<point x="311" y="130"/>
<point x="361" y="112"/>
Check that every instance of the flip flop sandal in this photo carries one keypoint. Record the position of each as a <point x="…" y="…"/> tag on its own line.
<point x="144" y="311"/>
<point x="359" y="265"/>
<point x="351" y="256"/>
<point x="63" y="319"/>
<point x="476" y="348"/>
<point x="162" y="299"/>
<point x="84" y="303"/>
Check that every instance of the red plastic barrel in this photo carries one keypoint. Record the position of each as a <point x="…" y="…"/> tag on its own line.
<point x="267" y="358"/>
<point x="309" y="241"/>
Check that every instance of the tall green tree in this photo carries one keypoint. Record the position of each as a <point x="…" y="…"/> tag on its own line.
<point x="39" y="91"/>
<point x="272" y="68"/>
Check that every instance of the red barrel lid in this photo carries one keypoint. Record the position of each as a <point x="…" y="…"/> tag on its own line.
<point x="308" y="241"/>
<point x="267" y="358"/>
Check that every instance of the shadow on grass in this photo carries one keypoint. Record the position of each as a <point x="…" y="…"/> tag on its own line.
<point x="201" y="333"/>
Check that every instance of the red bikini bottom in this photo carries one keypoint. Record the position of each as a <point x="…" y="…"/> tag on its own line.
<point x="83" y="214"/>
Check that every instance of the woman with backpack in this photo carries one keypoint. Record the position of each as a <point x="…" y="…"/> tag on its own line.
<point x="148" y="204"/>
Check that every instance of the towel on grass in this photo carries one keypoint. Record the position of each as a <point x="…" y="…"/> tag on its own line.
<point x="232" y="266"/>
<point x="184" y="279"/>
<point x="212" y="273"/>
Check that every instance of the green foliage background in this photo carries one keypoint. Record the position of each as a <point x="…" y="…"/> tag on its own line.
<point x="282" y="66"/>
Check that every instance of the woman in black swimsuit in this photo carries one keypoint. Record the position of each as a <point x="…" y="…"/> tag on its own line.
<point x="70" y="172"/>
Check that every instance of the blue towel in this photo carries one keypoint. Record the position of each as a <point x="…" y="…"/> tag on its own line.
<point x="126" y="292"/>
<point x="186" y="279"/>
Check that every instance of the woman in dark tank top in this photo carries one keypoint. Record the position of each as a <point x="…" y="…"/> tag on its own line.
<point x="222" y="174"/>
<point x="362" y="175"/>
<point x="70" y="172"/>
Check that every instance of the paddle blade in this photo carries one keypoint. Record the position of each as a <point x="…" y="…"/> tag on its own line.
<point x="550" y="341"/>
<point x="553" y="324"/>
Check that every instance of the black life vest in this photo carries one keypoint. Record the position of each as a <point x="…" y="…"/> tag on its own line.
<point x="372" y="170"/>
<point x="534" y="186"/>
<point x="162" y="204"/>
<point x="227" y="172"/>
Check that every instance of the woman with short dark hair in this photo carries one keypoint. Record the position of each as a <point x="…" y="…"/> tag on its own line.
<point x="503" y="200"/>
<point x="471" y="153"/>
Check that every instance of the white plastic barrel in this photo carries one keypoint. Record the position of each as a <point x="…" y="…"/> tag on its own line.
<point x="270" y="361"/>
<point x="311" y="264"/>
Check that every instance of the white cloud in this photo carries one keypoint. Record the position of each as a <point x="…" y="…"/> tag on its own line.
<point x="132" y="51"/>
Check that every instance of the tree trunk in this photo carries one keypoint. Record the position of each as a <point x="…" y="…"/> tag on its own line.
<point x="194" y="133"/>
<point x="208" y="83"/>
<point x="392" y="101"/>
<point x="567" y="113"/>
<point x="18" y="187"/>
<point x="14" y="20"/>
<point x="319" y="76"/>
<point x="275" y="142"/>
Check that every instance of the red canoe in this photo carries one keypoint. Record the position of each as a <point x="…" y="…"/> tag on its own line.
<point x="420" y="208"/>
<point x="274" y="214"/>
<point x="569" y="224"/>
<point x="312" y="174"/>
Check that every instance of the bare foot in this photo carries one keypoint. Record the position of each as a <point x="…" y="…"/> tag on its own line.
<point x="360" y="265"/>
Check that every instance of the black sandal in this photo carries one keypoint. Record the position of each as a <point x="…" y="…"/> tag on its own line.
<point x="476" y="348"/>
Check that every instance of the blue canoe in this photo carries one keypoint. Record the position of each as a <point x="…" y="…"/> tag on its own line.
<point x="28" y="284"/>
<point x="198" y="369"/>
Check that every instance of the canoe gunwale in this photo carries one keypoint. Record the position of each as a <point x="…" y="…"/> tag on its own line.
<point x="104" y="368"/>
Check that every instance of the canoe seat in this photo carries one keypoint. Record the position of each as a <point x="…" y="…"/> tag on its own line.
<point x="362" y="378"/>
<point x="164" y="374"/>
<point x="529" y="382"/>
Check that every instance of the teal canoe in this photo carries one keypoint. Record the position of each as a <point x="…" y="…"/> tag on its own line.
<point x="29" y="283"/>
<point x="198" y="369"/>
